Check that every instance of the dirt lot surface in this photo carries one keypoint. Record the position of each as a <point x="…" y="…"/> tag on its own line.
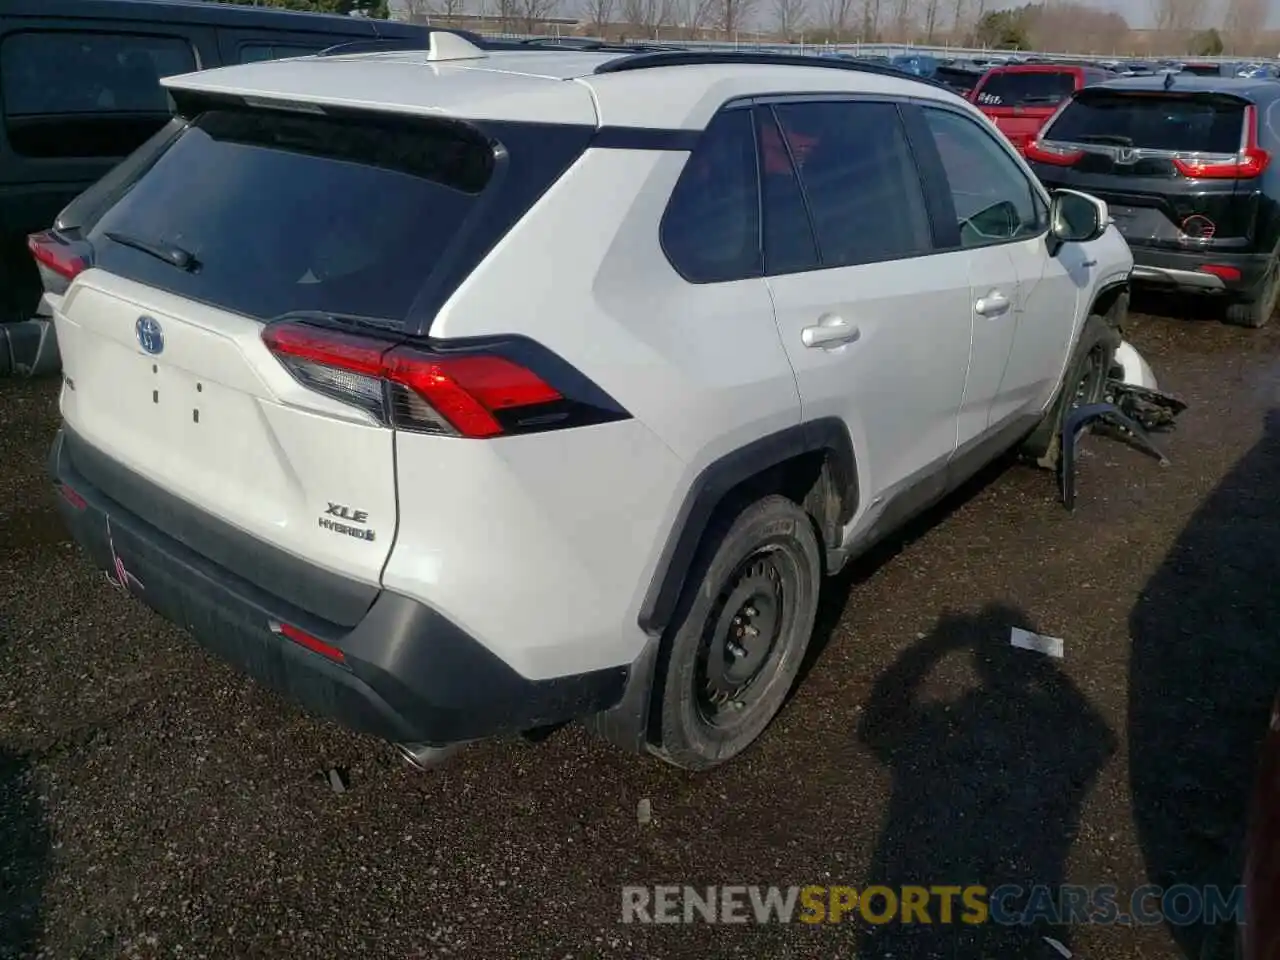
<point x="154" y="803"/>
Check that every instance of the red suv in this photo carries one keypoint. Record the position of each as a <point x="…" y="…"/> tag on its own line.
<point x="1020" y="99"/>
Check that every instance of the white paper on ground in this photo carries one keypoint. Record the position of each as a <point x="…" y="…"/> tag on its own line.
<point x="1057" y="944"/>
<point x="1026" y="640"/>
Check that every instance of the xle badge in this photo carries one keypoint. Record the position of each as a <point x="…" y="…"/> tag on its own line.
<point x="342" y="519"/>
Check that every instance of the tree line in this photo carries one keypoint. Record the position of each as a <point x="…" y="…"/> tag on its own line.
<point x="1180" y="26"/>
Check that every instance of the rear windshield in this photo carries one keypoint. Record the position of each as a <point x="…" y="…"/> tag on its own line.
<point x="1186" y="124"/>
<point x="270" y="212"/>
<point x="1014" y="88"/>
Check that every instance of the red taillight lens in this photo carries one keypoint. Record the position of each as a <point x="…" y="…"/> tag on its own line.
<point x="1038" y="151"/>
<point x="60" y="260"/>
<point x="407" y="387"/>
<point x="1249" y="163"/>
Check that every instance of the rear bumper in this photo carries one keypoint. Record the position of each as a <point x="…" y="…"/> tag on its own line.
<point x="407" y="674"/>
<point x="1182" y="270"/>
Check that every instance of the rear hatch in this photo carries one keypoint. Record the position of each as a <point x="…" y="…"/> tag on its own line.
<point x="1020" y="100"/>
<point x="1178" y="169"/>
<point x="252" y="216"/>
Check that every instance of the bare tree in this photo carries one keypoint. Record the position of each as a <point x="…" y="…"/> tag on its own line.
<point x="417" y="11"/>
<point x="790" y="16"/>
<point x="599" y="14"/>
<point x="930" y="19"/>
<point x="1177" y="16"/>
<point x="534" y="12"/>
<point x="647" y="16"/>
<point x="693" y="16"/>
<point x="732" y="15"/>
<point x="1245" y="21"/>
<point x="507" y="13"/>
<point x="448" y="9"/>
<point x="903" y="19"/>
<point x="870" y="20"/>
<point x="835" y="16"/>
<point x="958" y="20"/>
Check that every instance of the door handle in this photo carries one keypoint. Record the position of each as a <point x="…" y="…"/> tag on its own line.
<point x="994" y="304"/>
<point x="830" y="331"/>
<point x="1089" y="263"/>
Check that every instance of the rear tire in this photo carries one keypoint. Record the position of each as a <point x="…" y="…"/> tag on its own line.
<point x="1084" y="382"/>
<point x="739" y="636"/>
<point x="1258" y="313"/>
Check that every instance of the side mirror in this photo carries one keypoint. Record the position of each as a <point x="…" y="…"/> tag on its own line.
<point x="1076" y="217"/>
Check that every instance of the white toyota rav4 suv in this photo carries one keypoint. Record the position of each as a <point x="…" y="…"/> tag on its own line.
<point x="466" y="391"/>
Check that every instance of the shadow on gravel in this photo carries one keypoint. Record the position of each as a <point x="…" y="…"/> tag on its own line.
<point x="1204" y="668"/>
<point x="24" y="859"/>
<point x="987" y="787"/>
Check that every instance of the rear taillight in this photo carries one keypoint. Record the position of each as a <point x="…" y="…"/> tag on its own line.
<point x="60" y="260"/>
<point x="474" y="394"/>
<point x="1041" y="151"/>
<point x="1222" y="271"/>
<point x="1250" y="162"/>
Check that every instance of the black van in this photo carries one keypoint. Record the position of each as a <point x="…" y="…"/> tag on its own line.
<point x="79" y="90"/>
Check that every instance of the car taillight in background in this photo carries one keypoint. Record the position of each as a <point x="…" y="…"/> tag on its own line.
<point x="60" y="260"/>
<point x="1040" y="151"/>
<point x="473" y="394"/>
<point x="1250" y="162"/>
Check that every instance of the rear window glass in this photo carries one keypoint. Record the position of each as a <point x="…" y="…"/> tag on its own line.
<point x="1153" y="122"/>
<point x="282" y="213"/>
<point x="1012" y="89"/>
<point x="72" y="94"/>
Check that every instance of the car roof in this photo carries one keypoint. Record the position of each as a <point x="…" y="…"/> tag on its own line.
<point x="204" y="12"/>
<point x="1247" y="87"/>
<point x="548" y="85"/>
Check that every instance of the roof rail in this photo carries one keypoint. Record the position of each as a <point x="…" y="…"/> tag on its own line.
<point x="381" y="44"/>
<point x="689" y="58"/>
<point x="584" y="44"/>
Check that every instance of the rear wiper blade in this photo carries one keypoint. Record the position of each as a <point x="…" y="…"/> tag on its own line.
<point x="1110" y="138"/>
<point x="170" y="253"/>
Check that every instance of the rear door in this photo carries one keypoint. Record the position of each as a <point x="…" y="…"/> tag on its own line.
<point x="247" y="217"/>
<point x="1145" y="153"/>
<point x="875" y="322"/>
<point x="1020" y="100"/>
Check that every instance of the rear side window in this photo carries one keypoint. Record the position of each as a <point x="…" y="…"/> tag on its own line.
<point x="1010" y="88"/>
<point x="1153" y="121"/>
<point x="711" y="228"/>
<point x="860" y="180"/>
<point x="281" y="213"/>
<point x="80" y="94"/>
<point x="257" y="52"/>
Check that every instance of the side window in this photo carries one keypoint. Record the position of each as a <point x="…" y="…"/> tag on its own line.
<point x="789" y="245"/>
<point x="711" y="228"/>
<point x="994" y="200"/>
<point x="86" y="94"/>
<point x="860" y="180"/>
<point x="257" y="52"/>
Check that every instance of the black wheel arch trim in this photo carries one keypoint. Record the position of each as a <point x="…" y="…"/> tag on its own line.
<point x="716" y="483"/>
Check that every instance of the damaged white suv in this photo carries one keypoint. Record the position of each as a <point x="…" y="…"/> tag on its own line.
<point x="460" y="392"/>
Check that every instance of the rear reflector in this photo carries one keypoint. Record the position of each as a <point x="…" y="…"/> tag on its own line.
<point x="1221" y="270"/>
<point x="408" y="387"/>
<point x="72" y="497"/>
<point x="314" y="644"/>
<point x="60" y="260"/>
<point x="1249" y="163"/>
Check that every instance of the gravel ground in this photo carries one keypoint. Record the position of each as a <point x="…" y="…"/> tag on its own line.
<point x="154" y="803"/>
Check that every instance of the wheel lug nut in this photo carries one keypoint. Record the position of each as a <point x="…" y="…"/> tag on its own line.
<point x="736" y="650"/>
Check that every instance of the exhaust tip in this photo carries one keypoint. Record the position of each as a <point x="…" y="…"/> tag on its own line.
<point x="426" y="756"/>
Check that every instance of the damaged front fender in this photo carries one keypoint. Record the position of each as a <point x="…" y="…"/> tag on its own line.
<point x="1134" y="407"/>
